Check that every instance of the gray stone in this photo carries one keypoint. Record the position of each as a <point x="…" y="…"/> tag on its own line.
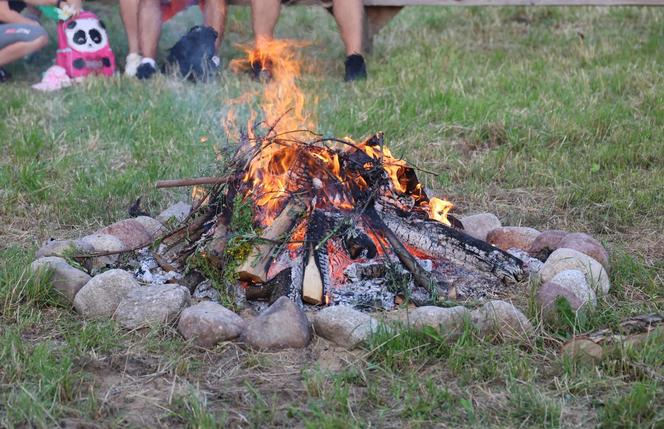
<point x="479" y="225"/>
<point x="575" y="281"/>
<point x="568" y="259"/>
<point x="177" y="211"/>
<point x="209" y="323"/>
<point x="59" y="248"/>
<point x="101" y="295"/>
<point x="344" y="326"/>
<point x="130" y="232"/>
<point x="101" y="243"/>
<point x="283" y="325"/>
<point x="152" y="305"/>
<point x="449" y="321"/>
<point x="502" y="318"/>
<point x="585" y="244"/>
<point x="549" y="241"/>
<point x="64" y="278"/>
<point x="545" y="243"/>
<point x="152" y="226"/>
<point x="547" y="295"/>
<point x="506" y="237"/>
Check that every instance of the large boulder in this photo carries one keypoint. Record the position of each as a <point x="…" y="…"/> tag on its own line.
<point x="209" y="323"/>
<point x="502" y="319"/>
<point x="152" y="305"/>
<point x="283" y="325"/>
<point x="479" y="225"/>
<point x="101" y="295"/>
<point x="507" y="237"/>
<point x="569" y="259"/>
<point x="65" y="279"/>
<point x="344" y="326"/>
<point x="449" y="321"/>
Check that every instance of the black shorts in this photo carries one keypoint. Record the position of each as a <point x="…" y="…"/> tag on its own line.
<point x="15" y="33"/>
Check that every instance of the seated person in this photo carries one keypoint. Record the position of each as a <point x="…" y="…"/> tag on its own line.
<point x="347" y="13"/>
<point x="20" y="36"/>
<point x="143" y="20"/>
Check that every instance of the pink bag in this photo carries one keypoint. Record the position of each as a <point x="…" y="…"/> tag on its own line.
<point x="83" y="46"/>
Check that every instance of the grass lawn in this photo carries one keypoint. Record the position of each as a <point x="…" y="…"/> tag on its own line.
<point x="550" y="118"/>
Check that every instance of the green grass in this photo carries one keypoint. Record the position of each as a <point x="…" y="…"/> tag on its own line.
<point x="550" y="118"/>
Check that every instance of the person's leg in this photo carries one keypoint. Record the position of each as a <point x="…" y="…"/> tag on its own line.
<point x="20" y="40"/>
<point x="349" y="15"/>
<point x="129" y="14"/>
<point x="264" y="16"/>
<point x="215" y="17"/>
<point x="149" y="23"/>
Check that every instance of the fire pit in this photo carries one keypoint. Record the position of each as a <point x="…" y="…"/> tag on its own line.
<point x="339" y="222"/>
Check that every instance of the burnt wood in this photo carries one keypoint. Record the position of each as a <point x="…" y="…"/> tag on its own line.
<point x="438" y="239"/>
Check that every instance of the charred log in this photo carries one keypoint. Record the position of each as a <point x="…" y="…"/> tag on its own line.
<point x="437" y="239"/>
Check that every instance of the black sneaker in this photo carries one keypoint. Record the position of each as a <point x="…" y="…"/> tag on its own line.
<point x="4" y="75"/>
<point x="355" y="68"/>
<point x="261" y="70"/>
<point x="146" y="70"/>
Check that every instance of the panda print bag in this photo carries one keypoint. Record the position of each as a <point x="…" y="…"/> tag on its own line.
<point x="83" y="47"/>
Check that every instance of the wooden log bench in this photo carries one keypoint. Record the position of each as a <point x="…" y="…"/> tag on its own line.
<point x="378" y="13"/>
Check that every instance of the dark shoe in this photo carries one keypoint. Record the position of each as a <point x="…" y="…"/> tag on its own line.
<point x="4" y="75"/>
<point x="261" y="70"/>
<point x="146" y="70"/>
<point x="355" y="68"/>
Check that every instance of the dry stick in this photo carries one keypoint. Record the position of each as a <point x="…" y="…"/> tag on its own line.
<point x="176" y="183"/>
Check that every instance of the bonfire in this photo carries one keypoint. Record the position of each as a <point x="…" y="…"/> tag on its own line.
<point x="334" y="220"/>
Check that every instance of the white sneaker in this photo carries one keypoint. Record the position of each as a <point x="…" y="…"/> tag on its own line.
<point x="131" y="64"/>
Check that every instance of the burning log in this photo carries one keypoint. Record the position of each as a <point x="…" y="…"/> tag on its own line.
<point x="257" y="264"/>
<point x="438" y="239"/>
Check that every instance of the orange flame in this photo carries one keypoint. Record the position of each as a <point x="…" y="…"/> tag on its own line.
<point x="281" y="163"/>
<point x="438" y="210"/>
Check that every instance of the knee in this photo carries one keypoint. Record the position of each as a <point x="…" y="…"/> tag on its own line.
<point x="41" y="41"/>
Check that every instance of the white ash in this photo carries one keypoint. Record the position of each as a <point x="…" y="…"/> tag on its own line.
<point x="149" y="271"/>
<point x="205" y="290"/>
<point x="364" y="295"/>
<point x="532" y="265"/>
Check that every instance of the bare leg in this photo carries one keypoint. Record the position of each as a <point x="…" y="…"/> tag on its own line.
<point x="149" y="21"/>
<point x="215" y="17"/>
<point x="129" y="13"/>
<point x="349" y="16"/>
<point x="264" y="16"/>
<point x="18" y="50"/>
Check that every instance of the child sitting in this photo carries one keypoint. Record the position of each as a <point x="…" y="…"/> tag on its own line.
<point x="19" y="35"/>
